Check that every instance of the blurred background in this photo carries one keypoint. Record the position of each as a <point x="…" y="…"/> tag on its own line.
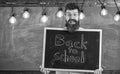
<point x="22" y="25"/>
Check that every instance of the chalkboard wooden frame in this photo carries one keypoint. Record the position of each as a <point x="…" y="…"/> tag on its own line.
<point x="71" y="70"/>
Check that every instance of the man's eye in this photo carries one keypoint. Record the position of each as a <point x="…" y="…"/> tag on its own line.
<point x="75" y="14"/>
<point x="68" y="14"/>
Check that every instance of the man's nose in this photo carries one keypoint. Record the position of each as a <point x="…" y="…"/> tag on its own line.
<point x="71" y="17"/>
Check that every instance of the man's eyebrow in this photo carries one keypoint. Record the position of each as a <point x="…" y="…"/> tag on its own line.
<point x="72" y="12"/>
<point x="68" y="12"/>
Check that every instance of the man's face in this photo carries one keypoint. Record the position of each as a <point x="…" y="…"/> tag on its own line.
<point x="72" y="19"/>
<point x="72" y="14"/>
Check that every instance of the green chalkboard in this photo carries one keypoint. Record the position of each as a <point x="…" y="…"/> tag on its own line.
<point x="77" y="51"/>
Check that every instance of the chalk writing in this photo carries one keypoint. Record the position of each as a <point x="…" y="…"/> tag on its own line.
<point x="82" y="57"/>
<point x="63" y="57"/>
<point x="60" y="40"/>
<point x="83" y="46"/>
<point x="73" y="49"/>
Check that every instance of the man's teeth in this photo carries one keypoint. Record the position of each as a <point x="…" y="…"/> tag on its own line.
<point x="72" y="22"/>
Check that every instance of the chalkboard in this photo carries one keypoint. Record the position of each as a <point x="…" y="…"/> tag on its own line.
<point x="79" y="51"/>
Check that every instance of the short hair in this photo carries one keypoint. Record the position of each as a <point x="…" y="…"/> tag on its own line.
<point x="71" y="6"/>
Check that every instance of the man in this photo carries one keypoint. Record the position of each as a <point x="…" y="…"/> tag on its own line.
<point x="72" y="24"/>
<point x="72" y="17"/>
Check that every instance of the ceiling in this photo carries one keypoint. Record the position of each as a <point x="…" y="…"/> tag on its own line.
<point x="7" y="3"/>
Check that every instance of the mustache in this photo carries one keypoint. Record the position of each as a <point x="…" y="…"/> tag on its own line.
<point x="69" y="21"/>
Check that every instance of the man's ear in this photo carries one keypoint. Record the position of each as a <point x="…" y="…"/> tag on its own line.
<point x="64" y="15"/>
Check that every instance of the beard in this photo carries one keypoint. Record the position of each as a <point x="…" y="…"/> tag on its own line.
<point x="72" y="25"/>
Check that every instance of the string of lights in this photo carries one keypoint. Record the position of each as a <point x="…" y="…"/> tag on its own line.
<point x="82" y="15"/>
<point x="26" y="13"/>
<point x="12" y="18"/>
<point x="104" y="11"/>
<point x="117" y="15"/>
<point x="44" y="17"/>
<point x="60" y="13"/>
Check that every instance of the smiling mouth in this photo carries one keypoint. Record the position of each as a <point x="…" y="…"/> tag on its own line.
<point x="71" y="22"/>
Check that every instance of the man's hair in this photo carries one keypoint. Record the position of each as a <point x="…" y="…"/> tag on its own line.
<point x="71" y="6"/>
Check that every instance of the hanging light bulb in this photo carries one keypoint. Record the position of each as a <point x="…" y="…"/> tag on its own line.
<point x="12" y="19"/>
<point x="44" y="18"/>
<point x="104" y="11"/>
<point x="26" y="13"/>
<point x="60" y="13"/>
<point x="82" y="15"/>
<point x="117" y="16"/>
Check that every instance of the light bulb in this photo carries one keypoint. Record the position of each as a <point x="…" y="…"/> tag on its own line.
<point x="60" y="13"/>
<point x="26" y="15"/>
<point x="12" y="19"/>
<point x="44" y="18"/>
<point x="117" y="17"/>
<point x="104" y="12"/>
<point x="82" y="15"/>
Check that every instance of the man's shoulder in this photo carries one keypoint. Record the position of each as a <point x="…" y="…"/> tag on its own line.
<point x="81" y="28"/>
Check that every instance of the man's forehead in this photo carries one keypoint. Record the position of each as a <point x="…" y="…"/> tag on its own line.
<point x="72" y="11"/>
